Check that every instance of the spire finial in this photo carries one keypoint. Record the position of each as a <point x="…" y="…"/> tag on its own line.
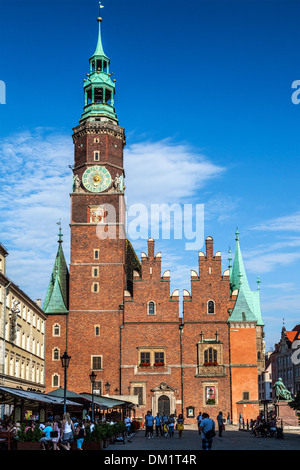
<point x="60" y="235"/>
<point x="99" y="19"/>
<point x="229" y="258"/>
<point x="258" y="283"/>
<point x="237" y="234"/>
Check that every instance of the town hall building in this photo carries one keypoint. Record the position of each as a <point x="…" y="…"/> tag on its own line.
<point x="114" y="313"/>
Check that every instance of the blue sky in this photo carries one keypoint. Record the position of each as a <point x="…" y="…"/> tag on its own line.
<point x="204" y="92"/>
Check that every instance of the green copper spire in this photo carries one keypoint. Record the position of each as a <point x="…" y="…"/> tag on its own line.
<point x="99" y="48"/>
<point x="99" y="88"/>
<point x="247" y="306"/>
<point x="238" y="273"/>
<point x="56" y="300"/>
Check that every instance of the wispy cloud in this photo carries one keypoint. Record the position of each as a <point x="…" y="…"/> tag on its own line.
<point x="287" y="223"/>
<point x="36" y="181"/>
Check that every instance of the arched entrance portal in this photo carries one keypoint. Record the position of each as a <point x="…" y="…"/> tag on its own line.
<point x="163" y="400"/>
<point x="164" y="405"/>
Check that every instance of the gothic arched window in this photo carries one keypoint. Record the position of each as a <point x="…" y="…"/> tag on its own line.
<point x="210" y="355"/>
<point x="151" y="308"/>
<point x="210" y="306"/>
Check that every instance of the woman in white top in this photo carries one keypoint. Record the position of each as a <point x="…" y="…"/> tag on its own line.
<point x="67" y="432"/>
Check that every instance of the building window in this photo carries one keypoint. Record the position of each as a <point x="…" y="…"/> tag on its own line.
<point x="246" y="396"/>
<point x="56" y="330"/>
<point x="96" y="362"/>
<point x="96" y="254"/>
<point x="55" y="380"/>
<point x="139" y="391"/>
<point x="96" y="156"/>
<point x="56" y="354"/>
<point x="151" y="308"/>
<point x="97" y="330"/>
<point x="98" y="387"/>
<point x="210" y="356"/>
<point x="159" y="358"/>
<point x="210" y="306"/>
<point x="95" y="287"/>
<point x="210" y="395"/>
<point x="145" y="358"/>
<point x="95" y="272"/>
<point x="96" y="140"/>
<point x="152" y="357"/>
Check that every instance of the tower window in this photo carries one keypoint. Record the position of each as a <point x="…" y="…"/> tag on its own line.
<point x="97" y="156"/>
<point x="56" y="330"/>
<point x="56" y="354"/>
<point x="98" y="95"/>
<point x="95" y="287"/>
<point x="97" y="330"/>
<point x="55" y="380"/>
<point x="95" y="272"/>
<point x="151" y="308"/>
<point x="96" y="254"/>
<point x="210" y="306"/>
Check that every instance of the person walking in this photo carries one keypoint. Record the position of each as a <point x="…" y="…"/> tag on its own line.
<point x="199" y="419"/>
<point x="180" y="425"/>
<point x="128" y="422"/>
<point x="171" y="423"/>
<point x="220" y="423"/>
<point x="164" y="422"/>
<point x="208" y="429"/>
<point x="67" y="432"/>
<point x="55" y="434"/>
<point x="80" y="435"/>
<point x="158" y="423"/>
<point x="149" y="420"/>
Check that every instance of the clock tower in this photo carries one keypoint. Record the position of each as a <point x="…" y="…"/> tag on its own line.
<point x="98" y="239"/>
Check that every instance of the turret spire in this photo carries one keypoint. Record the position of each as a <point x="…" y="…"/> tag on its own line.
<point x="99" y="88"/>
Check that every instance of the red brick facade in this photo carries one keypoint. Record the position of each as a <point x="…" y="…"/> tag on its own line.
<point x="123" y="322"/>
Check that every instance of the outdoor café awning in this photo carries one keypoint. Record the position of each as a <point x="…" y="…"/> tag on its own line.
<point x="18" y="396"/>
<point x="105" y="402"/>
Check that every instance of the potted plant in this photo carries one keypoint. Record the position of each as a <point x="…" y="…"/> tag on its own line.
<point x="29" y="439"/>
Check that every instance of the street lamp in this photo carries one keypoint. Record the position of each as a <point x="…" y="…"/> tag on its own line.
<point x="65" y="360"/>
<point x="92" y="379"/>
<point x="107" y="387"/>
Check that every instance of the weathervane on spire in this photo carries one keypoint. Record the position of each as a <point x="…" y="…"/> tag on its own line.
<point x="100" y="6"/>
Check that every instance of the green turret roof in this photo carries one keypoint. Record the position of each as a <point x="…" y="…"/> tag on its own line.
<point x="56" y="300"/>
<point x="247" y="306"/>
<point x="99" y="88"/>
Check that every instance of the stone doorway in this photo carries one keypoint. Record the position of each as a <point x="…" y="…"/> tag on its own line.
<point x="163" y="405"/>
<point x="163" y="400"/>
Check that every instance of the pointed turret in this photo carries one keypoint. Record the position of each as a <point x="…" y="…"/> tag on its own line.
<point x="247" y="306"/>
<point x="99" y="88"/>
<point x="56" y="300"/>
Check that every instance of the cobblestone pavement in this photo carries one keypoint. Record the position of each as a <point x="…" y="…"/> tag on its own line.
<point x="232" y="439"/>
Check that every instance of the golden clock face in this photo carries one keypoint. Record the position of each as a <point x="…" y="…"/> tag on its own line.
<point x="96" y="179"/>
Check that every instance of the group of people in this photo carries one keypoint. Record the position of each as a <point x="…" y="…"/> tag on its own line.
<point x="262" y="426"/>
<point x="164" y="425"/>
<point x="56" y="433"/>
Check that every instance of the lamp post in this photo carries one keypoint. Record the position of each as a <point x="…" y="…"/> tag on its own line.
<point x="65" y="360"/>
<point x="92" y="379"/>
<point x="107" y="387"/>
